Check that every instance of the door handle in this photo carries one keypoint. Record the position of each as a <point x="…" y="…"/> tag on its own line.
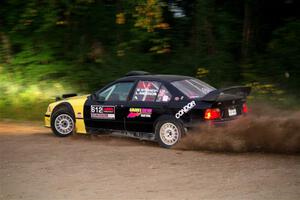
<point x="119" y="105"/>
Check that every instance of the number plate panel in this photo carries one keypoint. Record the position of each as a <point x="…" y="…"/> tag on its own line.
<point x="232" y="112"/>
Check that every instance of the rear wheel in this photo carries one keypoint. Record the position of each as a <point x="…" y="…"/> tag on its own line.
<point x="62" y="123"/>
<point x="168" y="132"/>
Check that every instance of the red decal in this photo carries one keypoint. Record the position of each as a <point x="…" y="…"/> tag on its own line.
<point x="108" y="109"/>
<point x="133" y="115"/>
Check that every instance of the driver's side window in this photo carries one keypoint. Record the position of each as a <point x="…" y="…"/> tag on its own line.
<point x="116" y="92"/>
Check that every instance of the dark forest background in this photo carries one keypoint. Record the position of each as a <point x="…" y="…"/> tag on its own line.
<point x="49" y="47"/>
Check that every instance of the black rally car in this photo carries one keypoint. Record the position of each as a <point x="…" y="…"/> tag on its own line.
<point x="147" y="106"/>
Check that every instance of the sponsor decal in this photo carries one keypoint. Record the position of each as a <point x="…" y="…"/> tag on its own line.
<point x="108" y="109"/>
<point x="102" y="112"/>
<point x="146" y="90"/>
<point x="185" y="109"/>
<point x="79" y="115"/>
<point x="165" y="98"/>
<point x="139" y="112"/>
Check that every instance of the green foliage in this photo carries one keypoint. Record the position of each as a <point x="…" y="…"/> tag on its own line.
<point x="51" y="47"/>
<point x="283" y="55"/>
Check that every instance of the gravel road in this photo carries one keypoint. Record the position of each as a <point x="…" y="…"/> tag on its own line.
<point x="34" y="164"/>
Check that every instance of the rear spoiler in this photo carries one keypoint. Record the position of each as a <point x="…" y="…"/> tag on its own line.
<point x="64" y="96"/>
<point x="230" y="93"/>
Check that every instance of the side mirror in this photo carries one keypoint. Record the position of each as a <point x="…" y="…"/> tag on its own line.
<point x="95" y="97"/>
<point x="57" y="98"/>
<point x="100" y="98"/>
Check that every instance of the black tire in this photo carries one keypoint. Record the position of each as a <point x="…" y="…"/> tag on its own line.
<point x="160" y="132"/>
<point x="69" y="119"/>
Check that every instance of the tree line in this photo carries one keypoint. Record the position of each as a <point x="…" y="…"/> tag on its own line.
<point x="91" y="42"/>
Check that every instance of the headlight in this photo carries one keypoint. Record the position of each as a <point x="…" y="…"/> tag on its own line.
<point x="49" y="109"/>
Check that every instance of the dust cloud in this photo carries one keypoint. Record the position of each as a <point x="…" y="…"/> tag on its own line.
<point x="264" y="129"/>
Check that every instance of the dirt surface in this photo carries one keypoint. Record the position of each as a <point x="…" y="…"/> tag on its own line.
<point x="34" y="164"/>
<point x="252" y="133"/>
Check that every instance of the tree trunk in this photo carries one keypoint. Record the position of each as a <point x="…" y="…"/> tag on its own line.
<point x="5" y="48"/>
<point x="210" y="38"/>
<point x="203" y="37"/>
<point x="251" y="9"/>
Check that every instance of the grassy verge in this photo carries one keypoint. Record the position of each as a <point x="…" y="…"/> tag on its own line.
<point x="24" y="100"/>
<point x="26" y="112"/>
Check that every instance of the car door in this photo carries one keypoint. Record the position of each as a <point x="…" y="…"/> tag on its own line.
<point x="148" y="102"/>
<point x="107" y="108"/>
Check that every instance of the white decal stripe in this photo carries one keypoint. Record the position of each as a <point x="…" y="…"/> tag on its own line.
<point x="185" y="109"/>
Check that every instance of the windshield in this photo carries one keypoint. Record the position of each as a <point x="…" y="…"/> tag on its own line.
<point x="193" y="88"/>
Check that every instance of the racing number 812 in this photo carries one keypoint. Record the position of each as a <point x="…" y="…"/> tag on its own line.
<point x="96" y="109"/>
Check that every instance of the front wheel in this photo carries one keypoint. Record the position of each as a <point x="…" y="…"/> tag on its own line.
<point x="62" y="123"/>
<point x="168" y="132"/>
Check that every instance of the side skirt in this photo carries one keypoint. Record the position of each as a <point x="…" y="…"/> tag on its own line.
<point x="131" y="134"/>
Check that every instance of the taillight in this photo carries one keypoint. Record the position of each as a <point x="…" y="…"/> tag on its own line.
<point x="245" y="108"/>
<point x="213" y="113"/>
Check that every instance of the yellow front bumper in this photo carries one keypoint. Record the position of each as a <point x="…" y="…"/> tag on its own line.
<point x="47" y="121"/>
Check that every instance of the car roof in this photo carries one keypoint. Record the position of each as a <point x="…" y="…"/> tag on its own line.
<point x="155" y="77"/>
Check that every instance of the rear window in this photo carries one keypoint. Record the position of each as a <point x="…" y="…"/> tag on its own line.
<point x="193" y="88"/>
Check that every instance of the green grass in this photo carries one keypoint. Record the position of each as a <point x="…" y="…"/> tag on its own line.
<point x="28" y="112"/>
<point x="21" y="100"/>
